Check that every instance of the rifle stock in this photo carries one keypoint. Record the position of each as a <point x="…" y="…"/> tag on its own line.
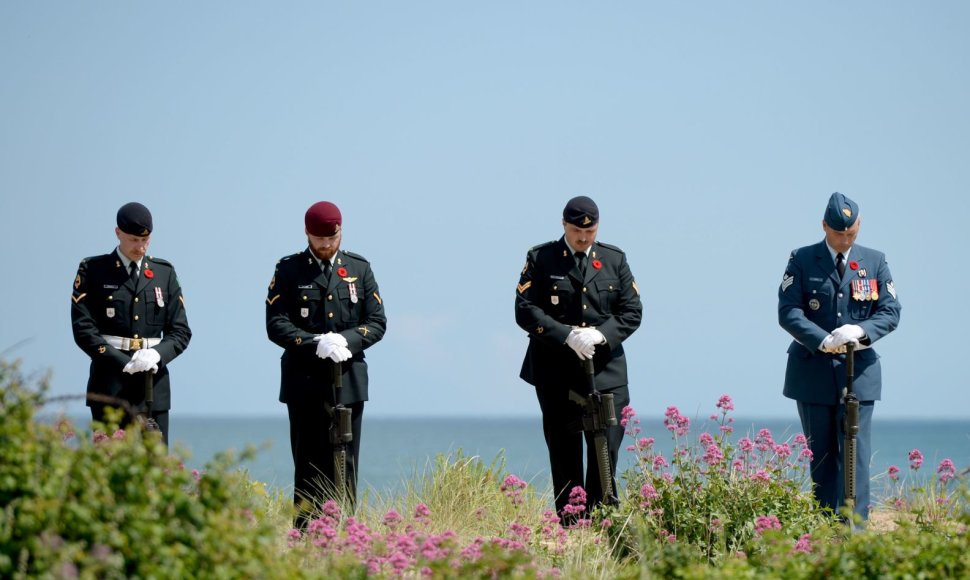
<point x="341" y="434"/>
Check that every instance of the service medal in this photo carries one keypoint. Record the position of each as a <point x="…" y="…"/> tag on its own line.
<point x="814" y="304"/>
<point x="875" y="289"/>
<point x="304" y="312"/>
<point x="158" y="297"/>
<point x="353" y="292"/>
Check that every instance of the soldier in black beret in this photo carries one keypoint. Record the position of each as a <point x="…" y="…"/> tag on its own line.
<point x="577" y="300"/>
<point x="323" y="308"/>
<point x="128" y="315"/>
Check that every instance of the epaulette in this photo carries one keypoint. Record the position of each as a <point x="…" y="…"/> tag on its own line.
<point x="100" y="258"/>
<point x="543" y="245"/>
<point x="354" y="256"/>
<point x="155" y="260"/>
<point x="291" y="256"/>
<point x="610" y="247"/>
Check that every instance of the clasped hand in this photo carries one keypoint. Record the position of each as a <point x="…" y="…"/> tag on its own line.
<point x="332" y="346"/>
<point x="143" y="360"/>
<point x="835" y="342"/>
<point x="584" y="340"/>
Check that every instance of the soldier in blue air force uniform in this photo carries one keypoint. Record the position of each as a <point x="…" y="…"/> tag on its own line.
<point x="577" y="300"/>
<point x="832" y="293"/>
<point x="323" y="307"/>
<point x="128" y="315"/>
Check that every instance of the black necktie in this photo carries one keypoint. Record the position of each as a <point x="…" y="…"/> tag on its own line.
<point x="581" y="262"/>
<point x="133" y="271"/>
<point x="840" y="265"/>
<point x="326" y="268"/>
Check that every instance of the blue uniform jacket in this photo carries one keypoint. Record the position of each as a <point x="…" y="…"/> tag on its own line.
<point x="812" y="302"/>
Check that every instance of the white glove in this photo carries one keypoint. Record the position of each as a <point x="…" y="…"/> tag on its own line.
<point x="595" y="336"/>
<point x="340" y="354"/>
<point x="829" y="345"/>
<point x="326" y="343"/>
<point x="581" y="343"/>
<point x="143" y="360"/>
<point x="848" y="333"/>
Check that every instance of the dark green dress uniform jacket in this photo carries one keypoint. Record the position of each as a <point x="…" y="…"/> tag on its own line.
<point x="302" y="304"/>
<point x="107" y="303"/>
<point x="552" y="298"/>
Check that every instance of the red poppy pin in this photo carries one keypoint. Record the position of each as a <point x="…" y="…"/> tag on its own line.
<point x="597" y="264"/>
<point x="853" y="265"/>
<point x="342" y="272"/>
<point x="148" y="273"/>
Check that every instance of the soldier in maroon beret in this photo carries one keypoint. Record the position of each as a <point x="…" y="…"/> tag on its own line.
<point x="324" y="309"/>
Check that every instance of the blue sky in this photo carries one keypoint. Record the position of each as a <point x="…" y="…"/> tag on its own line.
<point x="451" y="134"/>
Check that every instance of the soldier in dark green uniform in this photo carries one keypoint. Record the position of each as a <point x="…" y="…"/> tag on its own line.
<point x="323" y="307"/>
<point x="128" y="315"/>
<point x="577" y="299"/>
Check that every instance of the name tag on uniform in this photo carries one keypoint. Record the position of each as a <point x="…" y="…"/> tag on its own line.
<point x="110" y="312"/>
<point x="816" y="279"/>
<point x="110" y="287"/>
<point x="304" y="312"/>
<point x="306" y="287"/>
<point x="555" y="277"/>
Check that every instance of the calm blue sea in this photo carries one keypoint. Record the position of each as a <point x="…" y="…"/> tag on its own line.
<point x="393" y="450"/>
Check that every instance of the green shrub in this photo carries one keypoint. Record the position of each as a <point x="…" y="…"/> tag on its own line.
<point x="121" y="506"/>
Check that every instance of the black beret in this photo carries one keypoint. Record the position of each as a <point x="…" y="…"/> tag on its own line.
<point x="135" y="219"/>
<point x="581" y="211"/>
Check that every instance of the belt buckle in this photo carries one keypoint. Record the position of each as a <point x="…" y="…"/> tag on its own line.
<point x="135" y="344"/>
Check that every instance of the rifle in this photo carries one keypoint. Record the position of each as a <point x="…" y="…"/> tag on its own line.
<point x="850" y="428"/>
<point x="146" y="418"/>
<point x="598" y="414"/>
<point x="341" y="434"/>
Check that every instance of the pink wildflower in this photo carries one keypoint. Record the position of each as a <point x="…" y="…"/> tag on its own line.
<point x="513" y="488"/>
<point x="800" y="439"/>
<point x="649" y="494"/>
<point x="626" y="414"/>
<point x="893" y="472"/>
<point x="706" y="439"/>
<point x="421" y="511"/>
<point x="737" y="465"/>
<point x="726" y="429"/>
<point x="761" y="475"/>
<point x="119" y="434"/>
<point x="803" y="545"/>
<point x="645" y="442"/>
<point x="675" y="422"/>
<point x="725" y="404"/>
<point x="765" y="523"/>
<point x="806" y="455"/>
<point x="745" y="445"/>
<point x="659" y="462"/>
<point x="294" y="534"/>
<point x="946" y="471"/>
<point x="713" y="455"/>
<point x="392" y="518"/>
<point x="915" y="459"/>
<point x="764" y="440"/>
<point x="100" y="437"/>
<point x="783" y="451"/>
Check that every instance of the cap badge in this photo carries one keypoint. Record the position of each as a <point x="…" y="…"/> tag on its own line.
<point x="145" y="232"/>
<point x="586" y="220"/>
<point x="862" y="273"/>
<point x="846" y="212"/>
<point x="102" y="349"/>
<point x="77" y="281"/>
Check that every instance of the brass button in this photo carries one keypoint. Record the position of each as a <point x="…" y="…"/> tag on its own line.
<point x="555" y="287"/>
<point x="136" y="318"/>
<point x="136" y="336"/>
<point x="584" y="307"/>
<point x="582" y="324"/>
<point x="611" y="287"/>
<point x="329" y="296"/>
<point x="304" y="296"/>
<point x="136" y="299"/>
<point x="584" y="288"/>
<point x="111" y="297"/>
<point x="330" y="315"/>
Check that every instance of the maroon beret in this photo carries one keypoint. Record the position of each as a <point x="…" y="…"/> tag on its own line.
<point x="322" y="219"/>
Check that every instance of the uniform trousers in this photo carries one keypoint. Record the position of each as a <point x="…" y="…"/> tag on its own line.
<point x="562" y="429"/>
<point x="313" y="456"/>
<point x="822" y="425"/>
